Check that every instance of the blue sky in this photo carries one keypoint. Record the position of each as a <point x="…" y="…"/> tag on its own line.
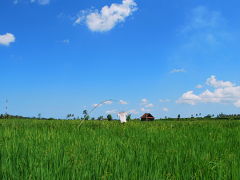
<point x="164" y="57"/>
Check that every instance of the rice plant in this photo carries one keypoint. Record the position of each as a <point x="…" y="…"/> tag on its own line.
<point x="34" y="149"/>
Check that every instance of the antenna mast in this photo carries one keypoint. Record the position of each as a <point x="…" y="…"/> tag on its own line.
<point x="6" y="107"/>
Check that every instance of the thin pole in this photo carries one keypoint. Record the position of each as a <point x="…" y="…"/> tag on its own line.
<point x="6" y="107"/>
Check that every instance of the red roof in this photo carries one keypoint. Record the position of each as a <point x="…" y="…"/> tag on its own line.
<point x="147" y="116"/>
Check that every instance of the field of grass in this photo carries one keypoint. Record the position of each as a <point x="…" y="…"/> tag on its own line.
<point x="35" y="149"/>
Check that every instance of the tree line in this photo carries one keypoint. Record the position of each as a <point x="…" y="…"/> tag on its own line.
<point x="109" y="117"/>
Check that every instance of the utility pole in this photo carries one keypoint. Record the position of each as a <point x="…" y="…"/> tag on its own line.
<point x="6" y="107"/>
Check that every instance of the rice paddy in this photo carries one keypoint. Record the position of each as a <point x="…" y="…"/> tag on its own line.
<point x="37" y="149"/>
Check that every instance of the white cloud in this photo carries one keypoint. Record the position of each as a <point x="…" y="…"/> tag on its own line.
<point x="41" y="2"/>
<point x="81" y="17"/>
<point x="145" y="110"/>
<point x="7" y="39"/>
<point x="149" y="105"/>
<point x="178" y="70"/>
<point x="189" y="98"/>
<point x="144" y="101"/>
<point x="78" y="20"/>
<point x="223" y="92"/>
<point x="165" y="109"/>
<point x="123" y="102"/>
<point x="108" y="102"/>
<point x="212" y="81"/>
<point x="108" y="17"/>
<point x="199" y="86"/>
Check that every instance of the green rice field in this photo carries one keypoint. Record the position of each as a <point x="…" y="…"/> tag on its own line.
<point x="57" y="149"/>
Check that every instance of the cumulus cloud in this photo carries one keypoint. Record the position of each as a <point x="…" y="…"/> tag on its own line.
<point x="108" y="17"/>
<point x="7" y="39"/>
<point x="123" y="102"/>
<point x="223" y="92"/>
<point x="212" y="81"/>
<point x="178" y="71"/>
<point x="189" y="98"/>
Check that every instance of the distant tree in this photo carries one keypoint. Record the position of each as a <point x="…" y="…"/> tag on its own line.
<point x="179" y="116"/>
<point x="100" y="118"/>
<point x="39" y="115"/>
<point x="129" y="117"/>
<point x="208" y="116"/>
<point x="85" y="112"/>
<point x="85" y="115"/>
<point x="69" y="116"/>
<point x="109" y="117"/>
<point x="92" y="118"/>
<point x="6" y="116"/>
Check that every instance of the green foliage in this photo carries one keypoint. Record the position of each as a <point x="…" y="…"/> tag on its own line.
<point x="179" y="116"/>
<point x="109" y="117"/>
<point x="38" y="149"/>
<point x="85" y="115"/>
<point x="129" y="117"/>
<point x="228" y="116"/>
<point x="208" y="116"/>
<point x="39" y="115"/>
<point x="100" y="118"/>
<point x="69" y="116"/>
